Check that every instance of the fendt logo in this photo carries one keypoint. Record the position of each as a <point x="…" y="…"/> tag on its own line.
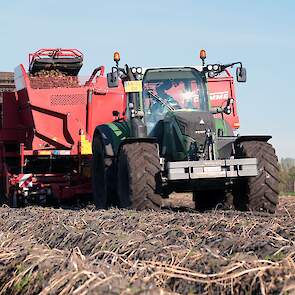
<point x="219" y="95"/>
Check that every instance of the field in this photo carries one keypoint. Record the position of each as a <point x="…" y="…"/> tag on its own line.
<point x="177" y="250"/>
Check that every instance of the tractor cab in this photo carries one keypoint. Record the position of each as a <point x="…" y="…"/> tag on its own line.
<point x="172" y="89"/>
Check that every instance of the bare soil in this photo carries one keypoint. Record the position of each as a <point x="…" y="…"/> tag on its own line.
<point x="177" y="250"/>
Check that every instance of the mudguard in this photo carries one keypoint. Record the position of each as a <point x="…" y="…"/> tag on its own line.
<point x="116" y="134"/>
<point x="243" y="138"/>
<point x="112" y="135"/>
<point x="137" y="139"/>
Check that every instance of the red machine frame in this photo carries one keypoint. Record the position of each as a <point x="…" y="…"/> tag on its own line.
<point x="220" y="89"/>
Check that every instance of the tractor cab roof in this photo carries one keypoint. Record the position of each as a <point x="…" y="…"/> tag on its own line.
<point x="198" y="68"/>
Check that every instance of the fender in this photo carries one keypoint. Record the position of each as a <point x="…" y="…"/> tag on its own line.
<point x="244" y="138"/>
<point x="137" y="139"/>
<point x="112" y="135"/>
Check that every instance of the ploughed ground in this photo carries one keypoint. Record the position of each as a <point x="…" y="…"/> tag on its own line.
<point x="177" y="250"/>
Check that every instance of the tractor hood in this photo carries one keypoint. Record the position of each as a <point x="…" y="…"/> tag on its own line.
<point x="194" y="123"/>
<point x="182" y="133"/>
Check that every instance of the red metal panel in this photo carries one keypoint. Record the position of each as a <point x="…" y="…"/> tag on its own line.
<point x="56" y="117"/>
<point x="11" y="129"/>
<point x="10" y="111"/>
<point x="220" y="89"/>
<point x="103" y="103"/>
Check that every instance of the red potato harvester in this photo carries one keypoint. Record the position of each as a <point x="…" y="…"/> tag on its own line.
<point x="47" y="124"/>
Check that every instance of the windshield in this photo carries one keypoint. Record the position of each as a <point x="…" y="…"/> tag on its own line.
<point x="172" y="89"/>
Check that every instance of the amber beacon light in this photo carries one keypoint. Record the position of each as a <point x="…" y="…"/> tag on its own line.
<point x="116" y="56"/>
<point x="203" y="55"/>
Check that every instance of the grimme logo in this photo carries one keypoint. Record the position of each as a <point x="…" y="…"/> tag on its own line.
<point x="219" y="95"/>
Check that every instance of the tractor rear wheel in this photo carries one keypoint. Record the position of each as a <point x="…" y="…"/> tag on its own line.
<point x="103" y="177"/>
<point x="259" y="193"/>
<point x="139" y="176"/>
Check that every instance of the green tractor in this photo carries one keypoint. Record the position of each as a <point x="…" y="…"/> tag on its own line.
<point x="171" y="140"/>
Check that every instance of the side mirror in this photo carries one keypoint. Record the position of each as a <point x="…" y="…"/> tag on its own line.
<point x="113" y="79"/>
<point x="241" y="74"/>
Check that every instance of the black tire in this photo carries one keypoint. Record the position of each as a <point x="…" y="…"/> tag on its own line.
<point x="4" y="199"/>
<point x="2" y="195"/>
<point x="139" y="176"/>
<point x="259" y="193"/>
<point x="103" y="176"/>
<point x="208" y="200"/>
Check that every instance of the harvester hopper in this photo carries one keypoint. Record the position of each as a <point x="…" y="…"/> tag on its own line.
<point x="67" y="61"/>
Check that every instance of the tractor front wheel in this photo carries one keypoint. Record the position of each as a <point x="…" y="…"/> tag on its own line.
<point x="139" y="176"/>
<point x="259" y="193"/>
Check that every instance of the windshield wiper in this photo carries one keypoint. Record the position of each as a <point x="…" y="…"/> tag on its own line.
<point x="162" y="101"/>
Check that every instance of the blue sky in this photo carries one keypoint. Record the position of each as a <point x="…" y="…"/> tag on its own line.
<point x="259" y="33"/>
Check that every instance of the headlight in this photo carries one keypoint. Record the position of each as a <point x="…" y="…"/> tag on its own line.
<point x="211" y="74"/>
<point x="133" y="70"/>
<point x="228" y="110"/>
<point x="139" y="70"/>
<point x="215" y="67"/>
<point x="209" y="67"/>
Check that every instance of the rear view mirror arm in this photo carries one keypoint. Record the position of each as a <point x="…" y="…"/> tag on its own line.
<point x="223" y="67"/>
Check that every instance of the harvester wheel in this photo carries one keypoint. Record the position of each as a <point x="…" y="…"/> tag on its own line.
<point x="4" y="184"/>
<point x="2" y="196"/>
<point x="138" y="176"/>
<point x="103" y="177"/>
<point x="259" y="193"/>
<point x="208" y="200"/>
